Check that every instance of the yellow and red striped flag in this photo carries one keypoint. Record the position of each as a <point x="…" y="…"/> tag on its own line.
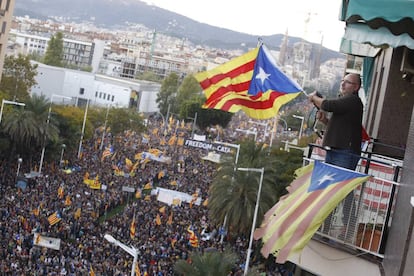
<point x="252" y="83"/>
<point x="193" y="237"/>
<point x="132" y="229"/>
<point x="290" y="224"/>
<point x="54" y="218"/>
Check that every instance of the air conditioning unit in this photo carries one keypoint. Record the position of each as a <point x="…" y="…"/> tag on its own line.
<point x="407" y="62"/>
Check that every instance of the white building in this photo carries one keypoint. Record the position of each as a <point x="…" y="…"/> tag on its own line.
<point x="100" y="90"/>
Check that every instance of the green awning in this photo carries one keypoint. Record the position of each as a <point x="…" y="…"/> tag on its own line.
<point x="378" y="38"/>
<point x="358" y="49"/>
<point x="395" y="15"/>
<point x="388" y="10"/>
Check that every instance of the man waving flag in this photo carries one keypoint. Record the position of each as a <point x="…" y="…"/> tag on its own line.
<point x="251" y="82"/>
<point x="290" y="224"/>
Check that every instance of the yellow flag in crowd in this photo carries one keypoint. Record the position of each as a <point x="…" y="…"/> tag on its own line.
<point x="60" y="192"/>
<point x="158" y="219"/>
<point x="162" y="210"/>
<point x="36" y="211"/>
<point x="205" y="203"/>
<point x="137" y="270"/>
<point x="161" y="174"/>
<point x="91" y="271"/>
<point x="180" y="141"/>
<point x="138" y="193"/>
<point x="172" y="140"/>
<point x="68" y="201"/>
<point x="132" y="229"/>
<point x="77" y="213"/>
<point x="128" y="164"/>
<point x="170" y="218"/>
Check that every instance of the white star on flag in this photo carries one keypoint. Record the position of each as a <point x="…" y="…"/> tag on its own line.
<point x="262" y="75"/>
<point x="326" y="177"/>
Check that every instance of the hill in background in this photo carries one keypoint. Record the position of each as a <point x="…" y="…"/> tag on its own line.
<point x="117" y="14"/>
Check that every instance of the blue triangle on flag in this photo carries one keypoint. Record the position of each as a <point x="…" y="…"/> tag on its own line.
<point x="324" y="175"/>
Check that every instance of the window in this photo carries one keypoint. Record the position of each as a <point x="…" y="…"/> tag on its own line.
<point x="81" y="91"/>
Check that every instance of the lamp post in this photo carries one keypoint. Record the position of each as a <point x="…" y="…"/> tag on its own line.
<point x="61" y="154"/>
<point x="236" y="146"/>
<point x="19" y="162"/>
<point x="104" y="130"/>
<point x="83" y="129"/>
<point x="256" y="209"/>
<point x="3" y="102"/>
<point x="130" y="250"/>
<point x="42" y="155"/>
<point x="301" y="124"/>
<point x="248" y="132"/>
<point x="194" y="122"/>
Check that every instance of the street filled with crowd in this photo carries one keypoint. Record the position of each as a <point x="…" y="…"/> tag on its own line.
<point x="76" y="202"/>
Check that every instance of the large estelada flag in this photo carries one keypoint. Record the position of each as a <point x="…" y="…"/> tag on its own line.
<point x="251" y="82"/>
<point x="290" y="224"/>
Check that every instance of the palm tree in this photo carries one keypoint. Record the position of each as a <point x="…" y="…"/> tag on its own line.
<point x="212" y="263"/>
<point x="27" y="127"/>
<point x="233" y="193"/>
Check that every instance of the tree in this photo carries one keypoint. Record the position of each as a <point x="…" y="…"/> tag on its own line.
<point x="233" y="193"/>
<point x="18" y="77"/>
<point x="212" y="263"/>
<point x="167" y="95"/>
<point x="27" y="127"/>
<point x="190" y="100"/>
<point x="54" y="52"/>
<point x="189" y="90"/>
<point x="121" y="119"/>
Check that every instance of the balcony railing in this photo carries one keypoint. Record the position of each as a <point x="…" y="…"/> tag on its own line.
<point x="372" y="203"/>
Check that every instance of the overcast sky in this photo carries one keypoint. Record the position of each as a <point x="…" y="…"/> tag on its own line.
<point x="267" y="17"/>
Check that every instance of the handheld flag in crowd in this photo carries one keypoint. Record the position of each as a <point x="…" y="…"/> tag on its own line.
<point x="290" y="224"/>
<point x="251" y="82"/>
<point x="132" y="229"/>
<point x="54" y="218"/>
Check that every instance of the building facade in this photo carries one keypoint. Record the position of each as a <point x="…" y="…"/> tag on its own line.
<point x="6" y="15"/>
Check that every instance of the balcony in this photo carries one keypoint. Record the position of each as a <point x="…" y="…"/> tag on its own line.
<point x="365" y="234"/>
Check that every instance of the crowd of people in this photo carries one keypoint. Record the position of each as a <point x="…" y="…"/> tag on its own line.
<point x="86" y="214"/>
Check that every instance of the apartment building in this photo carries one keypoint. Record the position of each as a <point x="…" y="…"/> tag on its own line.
<point x="6" y="15"/>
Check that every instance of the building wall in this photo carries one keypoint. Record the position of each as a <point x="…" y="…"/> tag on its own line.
<point x="99" y="89"/>
<point x="6" y="14"/>
<point x="391" y="102"/>
<point x="399" y="253"/>
<point x="390" y="119"/>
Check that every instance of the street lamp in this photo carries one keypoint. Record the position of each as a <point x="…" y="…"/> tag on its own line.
<point x="248" y="132"/>
<point x="130" y="250"/>
<point x="194" y="122"/>
<point x="83" y="129"/>
<point x="19" y="162"/>
<point x="236" y="146"/>
<point x="42" y="155"/>
<point x="8" y="102"/>
<point x="104" y="130"/>
<point x="256" y="209"/>
<point x="301" y="124"/>
<point x="61" y="154"/>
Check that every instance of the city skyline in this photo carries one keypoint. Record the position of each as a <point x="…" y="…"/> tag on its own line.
<point x="314" y="21"/>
